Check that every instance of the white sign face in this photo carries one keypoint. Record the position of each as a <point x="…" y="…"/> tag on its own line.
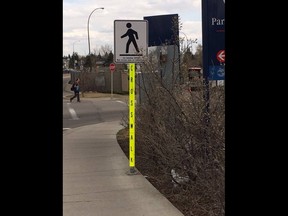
<point x="130" y="41"/>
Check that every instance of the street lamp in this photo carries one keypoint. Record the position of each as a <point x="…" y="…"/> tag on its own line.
<point x="88" y="26"/>
<point x="74" y="43"/>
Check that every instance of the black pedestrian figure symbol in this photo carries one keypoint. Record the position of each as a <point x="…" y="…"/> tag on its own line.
<point x="130" y="33"/>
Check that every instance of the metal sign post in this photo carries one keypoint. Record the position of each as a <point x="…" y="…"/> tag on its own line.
<point x="132" y="118"/>
<point x="131" y="46"/>
<point x="112" y="69"/>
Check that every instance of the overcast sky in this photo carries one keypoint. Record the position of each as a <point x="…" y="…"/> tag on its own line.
<point x="101" y="23"/>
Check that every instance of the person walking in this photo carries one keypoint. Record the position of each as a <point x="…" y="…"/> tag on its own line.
<point x="76" y="89"/>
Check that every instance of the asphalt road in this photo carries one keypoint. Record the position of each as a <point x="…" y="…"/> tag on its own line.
<point x="90" y="110"/>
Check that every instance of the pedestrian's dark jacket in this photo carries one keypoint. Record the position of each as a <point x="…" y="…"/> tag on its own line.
<point x="76" y="87"/>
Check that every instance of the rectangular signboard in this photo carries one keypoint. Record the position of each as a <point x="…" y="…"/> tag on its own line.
<point x="163" y="30"/>
<point x="130" y="41"/>
<point x="213" y="29"/>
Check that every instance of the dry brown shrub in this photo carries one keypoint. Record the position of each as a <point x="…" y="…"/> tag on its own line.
<point x="181" y="153"/>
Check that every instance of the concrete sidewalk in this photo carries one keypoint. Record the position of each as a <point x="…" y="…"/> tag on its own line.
<point x="97" y="181"/>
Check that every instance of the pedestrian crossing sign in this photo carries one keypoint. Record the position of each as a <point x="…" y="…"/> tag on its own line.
<point x="130" y="41"/>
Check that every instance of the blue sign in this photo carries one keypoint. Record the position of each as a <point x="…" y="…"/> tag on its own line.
<point x="163" y="30"/>
<point x="213" y="36"/>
